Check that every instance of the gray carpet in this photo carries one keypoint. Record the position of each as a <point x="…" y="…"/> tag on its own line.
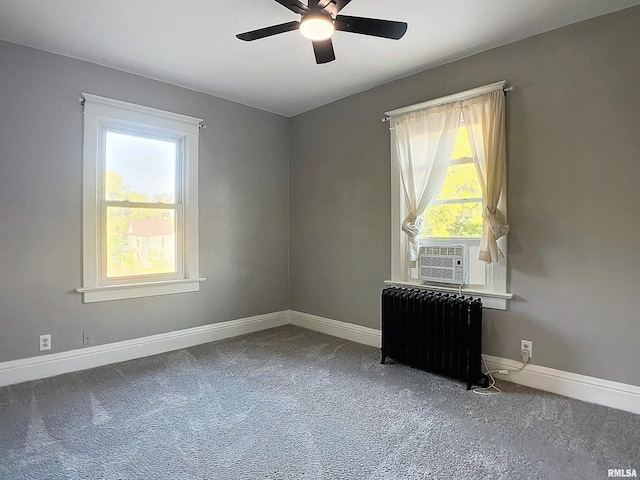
<point x="289" y="403"/>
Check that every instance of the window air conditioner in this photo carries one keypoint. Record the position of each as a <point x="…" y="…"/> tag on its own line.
<point x="444" y="264"/>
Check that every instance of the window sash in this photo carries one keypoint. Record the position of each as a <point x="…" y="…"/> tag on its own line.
<point x="148" y="132"/>
<point x="452" y="201"/>
<point x="128" y="204"/>
<point x="460" y="161"/>
<point x="141" y="131"/>
<point x="179" y="247"/>
<point x="449" y="201"/>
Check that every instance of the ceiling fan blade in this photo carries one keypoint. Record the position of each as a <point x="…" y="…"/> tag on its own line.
<point x="294" y="5"/>
<point x="324" y="51"/>
<point x="371" y="26"/>
<point x="268" y="31"/>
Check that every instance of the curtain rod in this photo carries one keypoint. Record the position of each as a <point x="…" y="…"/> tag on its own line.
<point x="83" y="100"/>
<point x="456" y="97"/>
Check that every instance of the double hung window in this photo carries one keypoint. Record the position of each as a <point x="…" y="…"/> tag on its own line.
<point x="140" y="201"/>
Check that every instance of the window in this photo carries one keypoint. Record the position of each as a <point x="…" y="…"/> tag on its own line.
<point x="438" y="178"/>
<point x="455" y="215"/>
<point x="140" y="201"/>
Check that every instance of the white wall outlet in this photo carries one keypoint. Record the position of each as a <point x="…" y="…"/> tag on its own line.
<point x="526" y="346"/>
<point x="45" y="342"/>
<point x="87" y="338"/>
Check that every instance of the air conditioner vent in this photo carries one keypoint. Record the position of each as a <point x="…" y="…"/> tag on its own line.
<point x="444" y="264"/>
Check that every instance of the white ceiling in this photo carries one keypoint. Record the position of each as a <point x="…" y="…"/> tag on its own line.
<point x="192" y="42"/>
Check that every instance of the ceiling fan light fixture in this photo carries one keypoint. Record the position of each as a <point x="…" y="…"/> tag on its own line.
<point x="316" y="27"/>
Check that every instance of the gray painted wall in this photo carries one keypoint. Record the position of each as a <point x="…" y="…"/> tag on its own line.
<point x="243" y="192"/>
<point x="574" y="196"/>
<point x="573" y="125"/>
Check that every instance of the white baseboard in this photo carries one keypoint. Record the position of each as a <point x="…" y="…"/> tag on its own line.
<point x="348" y="331"/>
<point x="582" y="387"/>
<point x="589" y="389"/>
<point x="34" y="368"/>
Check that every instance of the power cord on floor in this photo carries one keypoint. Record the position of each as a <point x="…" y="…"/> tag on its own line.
<point x="492" y="389"/>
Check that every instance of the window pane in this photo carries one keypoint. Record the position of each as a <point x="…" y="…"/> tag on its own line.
<point x="462" y="146"/>
<point x="461" y="182"/>
<point x="453" y="220"/>
<point x="140" y="169"/>
<point x="140" y="241"/>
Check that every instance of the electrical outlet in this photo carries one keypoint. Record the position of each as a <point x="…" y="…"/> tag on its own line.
<point x="45" y="342"/>
<point x="526" y="346"/>
<point x="87" y="338"/>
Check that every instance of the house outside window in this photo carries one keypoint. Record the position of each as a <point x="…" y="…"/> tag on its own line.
<point x="140" y="201"/>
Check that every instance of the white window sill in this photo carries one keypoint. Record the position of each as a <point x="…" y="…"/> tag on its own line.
<point x="494" y="300"/>
<point x="106" y="293"/>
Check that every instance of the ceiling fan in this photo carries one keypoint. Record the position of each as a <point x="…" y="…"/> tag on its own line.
<point x="320" y="19"/>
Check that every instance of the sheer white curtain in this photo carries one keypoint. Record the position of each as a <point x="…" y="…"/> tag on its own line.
<point x="423" y="143"/>
<point x="484" y="117"/>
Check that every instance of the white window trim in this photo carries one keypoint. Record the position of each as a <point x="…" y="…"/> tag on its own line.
<point x="495" y="295"/>
<point x="98" y="113"/>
